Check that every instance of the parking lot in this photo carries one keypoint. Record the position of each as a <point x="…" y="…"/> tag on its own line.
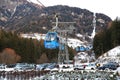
<point x="49" y="71"/>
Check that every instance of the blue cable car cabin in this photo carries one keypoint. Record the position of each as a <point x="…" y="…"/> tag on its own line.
<point x="81" y="49"/>
<point x="51" y="40"/>
<point x="87" y="48"/>
<point x="77" y="49"/>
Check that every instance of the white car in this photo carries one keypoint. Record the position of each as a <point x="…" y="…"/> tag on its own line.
<point x="91" y="66"/>
<point x="78" y="67"/>
<point x="4" y="67"/>
<point x="65" y="67"/>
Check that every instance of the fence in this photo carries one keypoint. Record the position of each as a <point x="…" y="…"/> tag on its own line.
<point x="21" y="75"/>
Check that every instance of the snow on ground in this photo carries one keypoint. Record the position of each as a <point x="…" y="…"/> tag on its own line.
<point x="13" y="12"/>
<point x="33" y="1"/>
<point x="93" y="33"/>
<point x="118" y="71"/>
<point x="114" y="52"/>
<point x="112" y="55"/>
<point x="83" y="57"/>
<point x="34" y="36"/>
<point x="74" y="43"/>
<point x="79" y="35"/>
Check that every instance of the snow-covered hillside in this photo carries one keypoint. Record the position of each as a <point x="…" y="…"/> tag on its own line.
<point x="33" y="36"/>
<point x="111" y="55"/>
<point x="74" y="43"/>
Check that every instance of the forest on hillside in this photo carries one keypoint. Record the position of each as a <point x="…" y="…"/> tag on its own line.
<point x="14" y="48"/>
<point x="107" y="39"/>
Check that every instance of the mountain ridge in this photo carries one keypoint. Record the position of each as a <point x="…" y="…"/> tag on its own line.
<point x="26" y="17"/>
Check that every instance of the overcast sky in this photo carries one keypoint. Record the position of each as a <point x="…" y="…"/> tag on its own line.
<point x="107" y="7"/>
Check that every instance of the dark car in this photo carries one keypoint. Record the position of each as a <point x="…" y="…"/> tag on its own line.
<point x="115" y="63"/>
<point x="108" y="66"/>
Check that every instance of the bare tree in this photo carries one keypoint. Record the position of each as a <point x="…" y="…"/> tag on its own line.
<point x="9" y="56"/>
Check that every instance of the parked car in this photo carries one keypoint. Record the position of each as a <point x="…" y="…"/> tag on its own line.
<point x="115" y="63"/>
<point x="50" y="66"/>
<point x="23" y="66"/>
<point x="2" y="67"/>
<point x="108" y="66"/>
<point x="65" y="67"/>
<point x="91" y="66"/>
<point x="11" y="65"/>
<point x="79" y="67"/>
<point x="41" y="66"/>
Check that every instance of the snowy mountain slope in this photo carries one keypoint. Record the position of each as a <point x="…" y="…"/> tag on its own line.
<point x="112" y="55"/>
<point x="114" y="52"/>
<point x="74" y="43"/>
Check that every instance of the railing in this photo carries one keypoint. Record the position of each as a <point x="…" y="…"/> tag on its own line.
<point x="21" y="75"/>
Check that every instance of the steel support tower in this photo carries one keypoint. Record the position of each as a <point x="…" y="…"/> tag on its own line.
<point x="63" y="30"/>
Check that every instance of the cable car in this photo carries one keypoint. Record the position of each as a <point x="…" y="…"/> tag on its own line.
<point x="81" y="49"/>
<point x="77" y="49"/>
<point x="51" y="40"/>
<point x="89" y="47"/>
